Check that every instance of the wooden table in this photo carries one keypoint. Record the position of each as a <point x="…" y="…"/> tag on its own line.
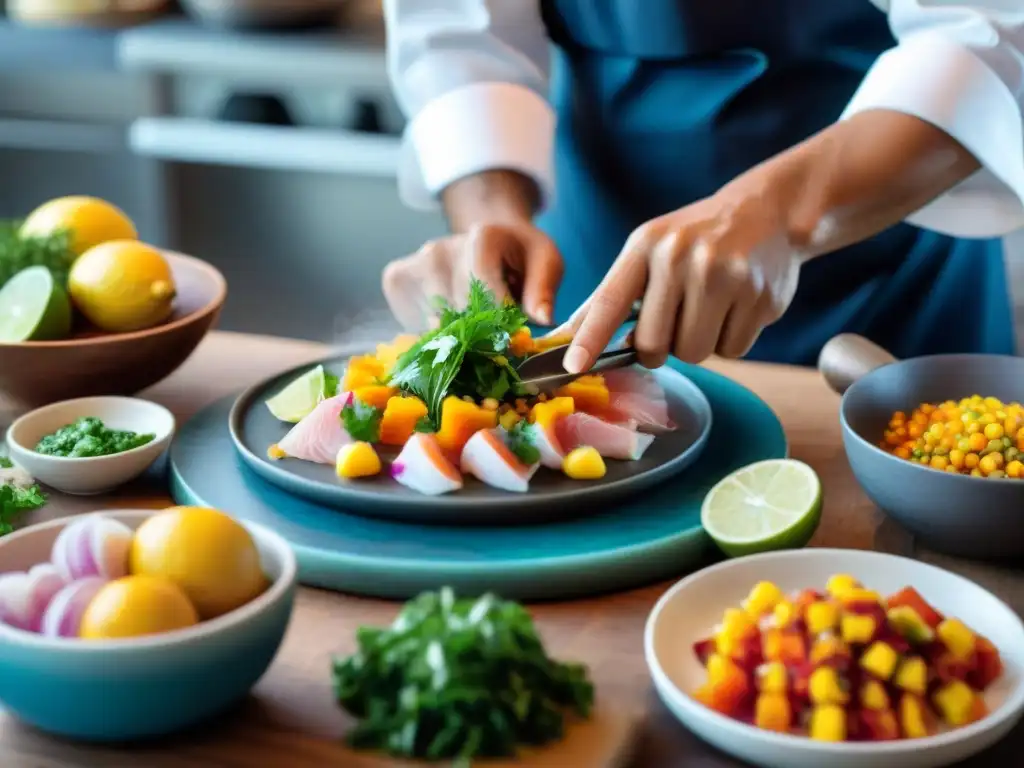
<point x="291" y="721"/>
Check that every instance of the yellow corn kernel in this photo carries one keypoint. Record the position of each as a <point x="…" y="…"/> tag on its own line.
<point x="957" y="638"/>
<point x="873" y="696"/>
<point x="784" y="614"/>
<point x="880" y="660"/>
<point x="825" y="687"/>
<point x="828" y="723"/>
<point x="274" y="452"/>
<point x="584" y="463"/>
<point x="773" y="677"/>
<point x="762" y="599"/>
<point x="857" y="628"/>
<point x="912" y="675"/>
<point x="841" y="583"/>
<point x="955" y="700"/>
<point x="821" y="617"/>
<point x="773" y="712"/>
<point x="912" y="718"/>
<point x="357" y="460"/>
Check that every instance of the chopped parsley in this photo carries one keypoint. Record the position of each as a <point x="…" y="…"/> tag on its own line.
<point x="15" y="501"/>
<point x="18" y="253"/>
<point x="457" y="679"/>
<point x="362" y="421"/>
<point x="520" y="441"/>
<point x="89" y="437"/>
<point x="466" y="355"/>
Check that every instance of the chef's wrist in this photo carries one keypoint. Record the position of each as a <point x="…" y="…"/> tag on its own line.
<point x="490" y="197"/>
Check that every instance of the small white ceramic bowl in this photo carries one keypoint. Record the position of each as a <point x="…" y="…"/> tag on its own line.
<point x="97" y="474"/>
<point x="689" y="610"/>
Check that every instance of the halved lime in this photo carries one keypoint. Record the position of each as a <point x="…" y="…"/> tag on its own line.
<point x="301" y="396"/>
<point x="34" y="307"/>
<point x="769" y="505"/>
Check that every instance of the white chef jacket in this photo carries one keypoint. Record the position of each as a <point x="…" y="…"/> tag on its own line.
<point x="471" y="77"/>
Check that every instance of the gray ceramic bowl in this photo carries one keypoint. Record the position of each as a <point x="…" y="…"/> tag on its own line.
<point x="953" y="514"/>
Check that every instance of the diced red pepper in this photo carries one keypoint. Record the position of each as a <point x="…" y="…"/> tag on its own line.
<point x="988" y="665"/>
<point x="879" y="725"/>
<point x="703" y="649"/>
<point x="948" y="668"/>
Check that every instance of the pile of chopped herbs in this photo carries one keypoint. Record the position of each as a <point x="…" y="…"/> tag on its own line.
<point x="458" y="679"/>
<point x="89" y="437"/>
<point x="15" y="501"/>
<point x="18" y="253"/>
<point x="466" y="355"/>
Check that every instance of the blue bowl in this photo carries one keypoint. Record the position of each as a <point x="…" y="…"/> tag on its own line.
<point x="141" y="688"/>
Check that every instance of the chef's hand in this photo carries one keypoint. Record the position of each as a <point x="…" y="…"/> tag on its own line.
<point x="711" y="276"/>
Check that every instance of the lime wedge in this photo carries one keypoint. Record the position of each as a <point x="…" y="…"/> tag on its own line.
<point x="301" y="396"/>
<point x="34" y="307"/>
<point x="774" y="504"/>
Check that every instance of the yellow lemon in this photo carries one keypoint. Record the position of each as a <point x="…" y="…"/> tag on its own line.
<point x="89" y="221"/>
<point x="122" y="286"/>
<point x="205" y="552"/>
<point x="137" y="605"/>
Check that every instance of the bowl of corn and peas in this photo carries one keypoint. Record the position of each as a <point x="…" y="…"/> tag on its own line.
<point x="976" y="436"/>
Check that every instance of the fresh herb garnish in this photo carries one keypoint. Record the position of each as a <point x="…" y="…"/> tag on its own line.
<point x="465" y="355"/>
<point x="520" y="441"/>
<point x="457" y="679"/>
<point x="362" y="421"/>
<point x="424" y="425"/>
<point x="331" y="383"/>
<point x="18" y="253"/>
<point x="14" y="501"/>
<point x="88" y="437"/>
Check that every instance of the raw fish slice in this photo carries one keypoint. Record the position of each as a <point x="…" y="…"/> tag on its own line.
<point x="612" y="441"/>
<point x="545" y="439"/>
<point x="489" y="460"/>
<point x="634" y="394"/>
<point x="422" y="467"/>
<point x="320" y="435"/>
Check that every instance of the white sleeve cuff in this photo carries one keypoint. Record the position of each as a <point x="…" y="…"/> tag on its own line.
<point x="946" y="84"/>
<point x="479" y="127"/>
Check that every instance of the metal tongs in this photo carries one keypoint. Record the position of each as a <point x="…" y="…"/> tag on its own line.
<point x="543" y="372"/>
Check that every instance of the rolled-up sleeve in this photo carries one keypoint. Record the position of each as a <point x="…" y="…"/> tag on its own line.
<point x="471" y="78"/>
<point x="960" y="67"/>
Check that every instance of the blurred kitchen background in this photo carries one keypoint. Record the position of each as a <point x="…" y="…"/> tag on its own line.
<point x="259" y="135"/>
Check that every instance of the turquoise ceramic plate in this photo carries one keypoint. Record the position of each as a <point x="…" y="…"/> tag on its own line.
<point x="653" y="536"/>
<point x="551" y="495"/>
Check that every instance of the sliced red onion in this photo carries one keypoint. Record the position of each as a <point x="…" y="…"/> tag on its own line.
<point x="64" y="614"/>
<point x="397" y="468"/>
<point x="92" y="546"/>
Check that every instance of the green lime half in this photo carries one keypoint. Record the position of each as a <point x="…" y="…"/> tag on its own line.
<point x="34" y="307"/>
<point x="774" y="504"/>
<point x="301" y="396"/>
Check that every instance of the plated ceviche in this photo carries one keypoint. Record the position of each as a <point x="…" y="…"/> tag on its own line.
<point x="449" y="405"/>
<point x="846" y="664"/>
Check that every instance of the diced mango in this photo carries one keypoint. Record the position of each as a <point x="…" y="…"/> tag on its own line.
<point x="957" y="703"/>
<point x="880" y="660"/>
<point x="589" y="394"/>
<point x="840" y="584"/>
<point x="521" y="344"/>
<point x="363" y="371"/>
<point x="376" y="395"/>
<point x="584" y="463"/>
<point x="957" y="637"/>
<point x="773" y="712"/>
<point x="762" y="599"/>
<point x="873" y="695"/>
<point x="859" y="595"/>
<point x="727" y="685"/>
<point x="829" y="648"/>
<point x="828" y="723"/>
<point x="914" y="717"/>
<point x="388" y="353"/>
<point x="785" y="613"/>
<point x="401" y="415"/>
<point x="548" y="412"/>
<point x="909" y="597"/>
<point x="912" y="675"/>
<point x="773" y="677"/>
<point x="275" y="453"/>
<point x="785" y="646"/>
<point x="357" y="460"/>
<point x="858" y="628"/>
<point x="821" y="617"/>
<point x="909" y="624"/>
<point x="460" y="420"/>
<point x="509" y="419"/>
<point x="825" y="687"/>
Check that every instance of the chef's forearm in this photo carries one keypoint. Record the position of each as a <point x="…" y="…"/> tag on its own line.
<point x="859" y="177"/>
<point x="490" y="197"/>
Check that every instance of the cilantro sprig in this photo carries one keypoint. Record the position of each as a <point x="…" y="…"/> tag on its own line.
<point x="18" y="253"/>
<point x="457" y="679"/>
<point x="361" y="421"/>
<point x="520" y="440"/>
<point x="467" y="354"/>
<point x="15" y="501"/>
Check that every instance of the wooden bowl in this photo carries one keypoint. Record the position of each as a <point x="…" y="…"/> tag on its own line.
<point x="92" y="363"/>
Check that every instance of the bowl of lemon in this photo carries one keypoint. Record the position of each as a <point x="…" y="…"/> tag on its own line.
<point x="87" y="308"/>
<point x="125" y="625"/>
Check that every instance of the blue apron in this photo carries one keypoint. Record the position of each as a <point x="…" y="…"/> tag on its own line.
<point x="662" y="102"/>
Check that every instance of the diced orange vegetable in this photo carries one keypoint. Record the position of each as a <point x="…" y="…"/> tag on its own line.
<point x="548" y="412"/>
<point x="521" y="343"/>
<point x="401" y="415"/>
<point x="784" y="645"/>
<point x="880" y="660"/>
<point x="915" y="718"/>
<point x="762" y="599"/>
<point x="545" y="343"/>
<point x="589" y="394"/>
<point x="460" y="421"/>
<point x="828" y="723"/>
<point x="912" y="675"/>
<point x="957" y="637"/>
<point x="773" y="712"/>
<point x="908" y="596"/>
<point x="376" y="395"/>
<point x="727" y="686"/>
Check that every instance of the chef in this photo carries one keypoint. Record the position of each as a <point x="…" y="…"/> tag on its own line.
<point x="763" y="174"/>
